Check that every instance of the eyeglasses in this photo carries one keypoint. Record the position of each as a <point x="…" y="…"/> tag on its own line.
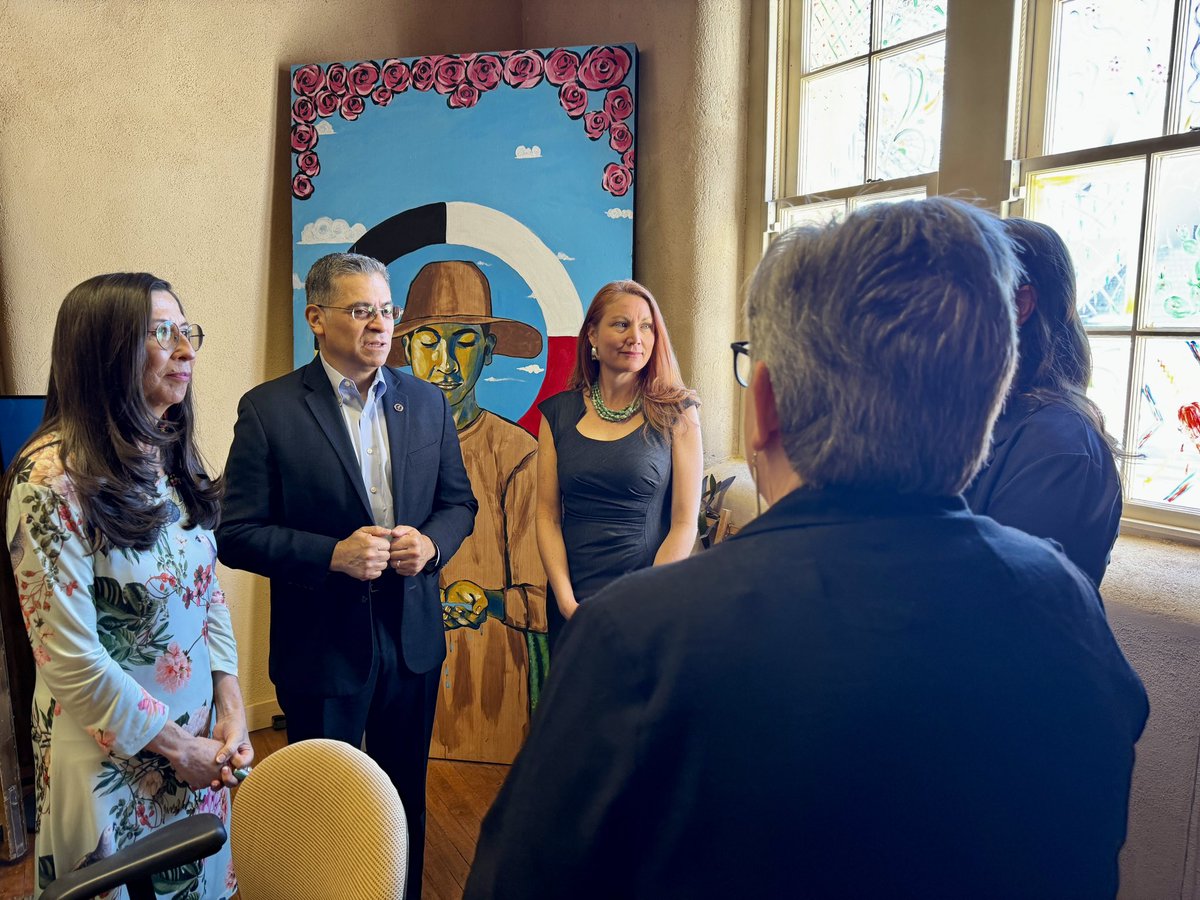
<point x="741" y="362"/>
<point x="365" y="312"/>
<point x="168" y="334"/>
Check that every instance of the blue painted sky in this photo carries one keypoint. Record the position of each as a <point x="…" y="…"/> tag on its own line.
<point x="417" y="151"/>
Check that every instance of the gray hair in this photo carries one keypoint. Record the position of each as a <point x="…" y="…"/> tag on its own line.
<point x="891" y="340"/>
<point x="318" y="285"/>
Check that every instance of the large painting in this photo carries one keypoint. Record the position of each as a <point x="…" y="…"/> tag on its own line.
<point x="498" y="188"/>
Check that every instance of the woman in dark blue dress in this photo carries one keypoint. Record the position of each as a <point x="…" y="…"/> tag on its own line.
<point x="619" y="454"/>
<point x="1051" y="471"/>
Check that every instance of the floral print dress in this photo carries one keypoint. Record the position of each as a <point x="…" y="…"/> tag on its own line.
<point x="123" y="641"/>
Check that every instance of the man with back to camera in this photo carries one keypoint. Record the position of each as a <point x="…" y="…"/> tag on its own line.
<point x="346" y="488"/>
<point x="867" y="691"/>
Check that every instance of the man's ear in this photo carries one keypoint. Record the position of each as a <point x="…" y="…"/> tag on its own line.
<point x="1026" y="303"/>
<point x="766" y="413"/>
<point x="312" y="314"/>
<point x="489" y="348"/>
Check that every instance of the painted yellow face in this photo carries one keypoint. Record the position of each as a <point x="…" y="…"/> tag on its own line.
<point x="450" y="356"/>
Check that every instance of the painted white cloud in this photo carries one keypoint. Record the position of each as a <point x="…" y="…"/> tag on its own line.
<point x="533" y="296"/>
<point x="534" y="152"/>
<point x="564" y="257"/>
<point x="615" y="213"/>
<point x="297" y="284"/>
<point x="331" y="231"/>
<point x="480" y="262"/>
<point x="325" y="127"/>
<point x="532" y="369"/>
<point x="490" y="378"/>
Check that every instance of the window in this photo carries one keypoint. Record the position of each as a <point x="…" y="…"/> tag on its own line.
<point x="1103" y="143"/>
<point x="1111" y="161"/>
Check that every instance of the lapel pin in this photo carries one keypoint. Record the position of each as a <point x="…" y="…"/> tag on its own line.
<point x="399" y="407"/>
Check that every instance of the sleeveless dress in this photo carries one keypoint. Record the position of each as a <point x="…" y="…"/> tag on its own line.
<point x="122" y="640"/>
<point x="616" y="499"/>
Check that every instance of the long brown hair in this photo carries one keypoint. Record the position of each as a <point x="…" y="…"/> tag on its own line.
<point x="108" y="438"/>
<point x="664" y="395"/>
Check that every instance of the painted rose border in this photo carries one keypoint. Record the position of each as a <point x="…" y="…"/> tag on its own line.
<point x="337" y="88"/>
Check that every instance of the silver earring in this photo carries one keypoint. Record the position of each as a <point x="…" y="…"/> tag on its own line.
<point x="594" y="352"/>
<point x="754" y="478"/>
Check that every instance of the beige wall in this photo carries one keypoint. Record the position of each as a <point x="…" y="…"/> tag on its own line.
<point x="151" y="135"/>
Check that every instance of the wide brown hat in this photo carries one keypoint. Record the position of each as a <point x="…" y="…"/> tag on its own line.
<point x="458" y="291"/>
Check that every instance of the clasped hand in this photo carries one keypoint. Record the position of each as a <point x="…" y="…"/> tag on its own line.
<point x="370" y="550"/>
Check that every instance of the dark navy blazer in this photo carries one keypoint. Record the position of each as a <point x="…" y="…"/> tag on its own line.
<point x="294" y="489"/>
<point x="1051" y="474"/>
<point x="858" y="695"/>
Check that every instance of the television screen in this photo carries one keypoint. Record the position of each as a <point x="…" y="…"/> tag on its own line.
<point x="19" y="416"/>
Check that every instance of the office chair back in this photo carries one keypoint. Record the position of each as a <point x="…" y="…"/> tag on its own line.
<point x="319" y="819"/>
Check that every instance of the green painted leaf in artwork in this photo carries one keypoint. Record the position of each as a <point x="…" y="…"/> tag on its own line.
<point x="180" y="882"/>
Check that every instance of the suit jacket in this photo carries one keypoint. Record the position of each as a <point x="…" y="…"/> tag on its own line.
<point x="858" y="695"/>
<point x="294" y="489"/>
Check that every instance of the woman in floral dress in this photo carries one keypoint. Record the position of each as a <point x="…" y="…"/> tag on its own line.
<point x="137" y="713"/>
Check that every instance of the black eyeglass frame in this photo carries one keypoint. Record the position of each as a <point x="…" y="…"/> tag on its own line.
<point x="169" y="331"/>
<point x="740" y="348"/>
<point x="371" y="311"/>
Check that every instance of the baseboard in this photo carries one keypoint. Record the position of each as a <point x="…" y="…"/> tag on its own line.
<point x="258" y="715"/>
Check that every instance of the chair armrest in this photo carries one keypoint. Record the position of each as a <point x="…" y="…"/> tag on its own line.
<point x="187" y="840"/>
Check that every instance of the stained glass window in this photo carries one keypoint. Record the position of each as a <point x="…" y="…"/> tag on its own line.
<point x="834" y="137"/>
<point x="1167" y="424"/>
<point x="1097" y="210"/>
<point x="1189" y="76"/>
<point x="1172" y="299"/>
<point x="1112" y="58"/>
<point x="1110" y="378"/>
<point x="904" y="20"/>
<point x="909" y="136"/>
<point x="836" y="30"/>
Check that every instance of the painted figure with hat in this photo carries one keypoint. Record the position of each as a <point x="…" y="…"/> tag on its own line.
<point x="494" y="590"/>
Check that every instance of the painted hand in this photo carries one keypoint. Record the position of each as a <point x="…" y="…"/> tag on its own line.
<point x="464" y="603"/>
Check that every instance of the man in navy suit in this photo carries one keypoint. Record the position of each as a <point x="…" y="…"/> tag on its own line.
<point x="346" y="488"/>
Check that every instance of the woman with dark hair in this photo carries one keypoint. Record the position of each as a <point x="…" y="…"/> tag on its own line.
<point x="1051" y="471"/>
<point x="619" y="454"/>
<point x="137" y="713"/>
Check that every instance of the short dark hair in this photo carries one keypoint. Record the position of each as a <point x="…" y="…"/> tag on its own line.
<point x="106" y="431"/>
<point x="319" y="283"/>
<point x="890" y="341"/>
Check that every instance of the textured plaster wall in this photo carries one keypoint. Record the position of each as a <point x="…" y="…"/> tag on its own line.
<point x="151" y="135"/>
<point x="690" y="170"/>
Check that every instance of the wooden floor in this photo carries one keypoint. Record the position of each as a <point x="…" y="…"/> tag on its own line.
<point x="459" y="794"/>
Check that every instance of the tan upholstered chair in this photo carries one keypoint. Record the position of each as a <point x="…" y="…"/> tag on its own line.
<point x="318" y="819"/>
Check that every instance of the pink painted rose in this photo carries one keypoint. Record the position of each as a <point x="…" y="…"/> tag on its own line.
<point x="616" y="179"/>
<point x="335" y="78"/>
<point x="304" y="137"/>
<point x="573" y="99"/>
<point x="485" y="71"/>
<point x="620" y="138"/>
<point x="561" y="66"/>
<point x="231" y="882"/>
<point x="362" y="78"/>
<point x="307" y="163"/>
<point x="618" y="103"/>
<point x="396" y="76"/>
<point x="327" y="103"/>
<point x="524" y="69"/>
<point x="422" y="72"/>
<point x="218" y="596"/>
<point x="604" y="67"/>
<point x="307" y="80"/>
<point x="304" y="110"/>
<point x="173" y="669"/>
<point x="627" y="159"/>
<point x="105" y="739"/>
<point x="448" y="73"/>
<point x="381" y="96"/>
<point x="352" y="107"/>
<point x="464" y="97"/>
<point x="302" y="187"/>
<point x="41" y="656"/>
<point x="595" y="124"/>
<point x="216" y="803"/>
